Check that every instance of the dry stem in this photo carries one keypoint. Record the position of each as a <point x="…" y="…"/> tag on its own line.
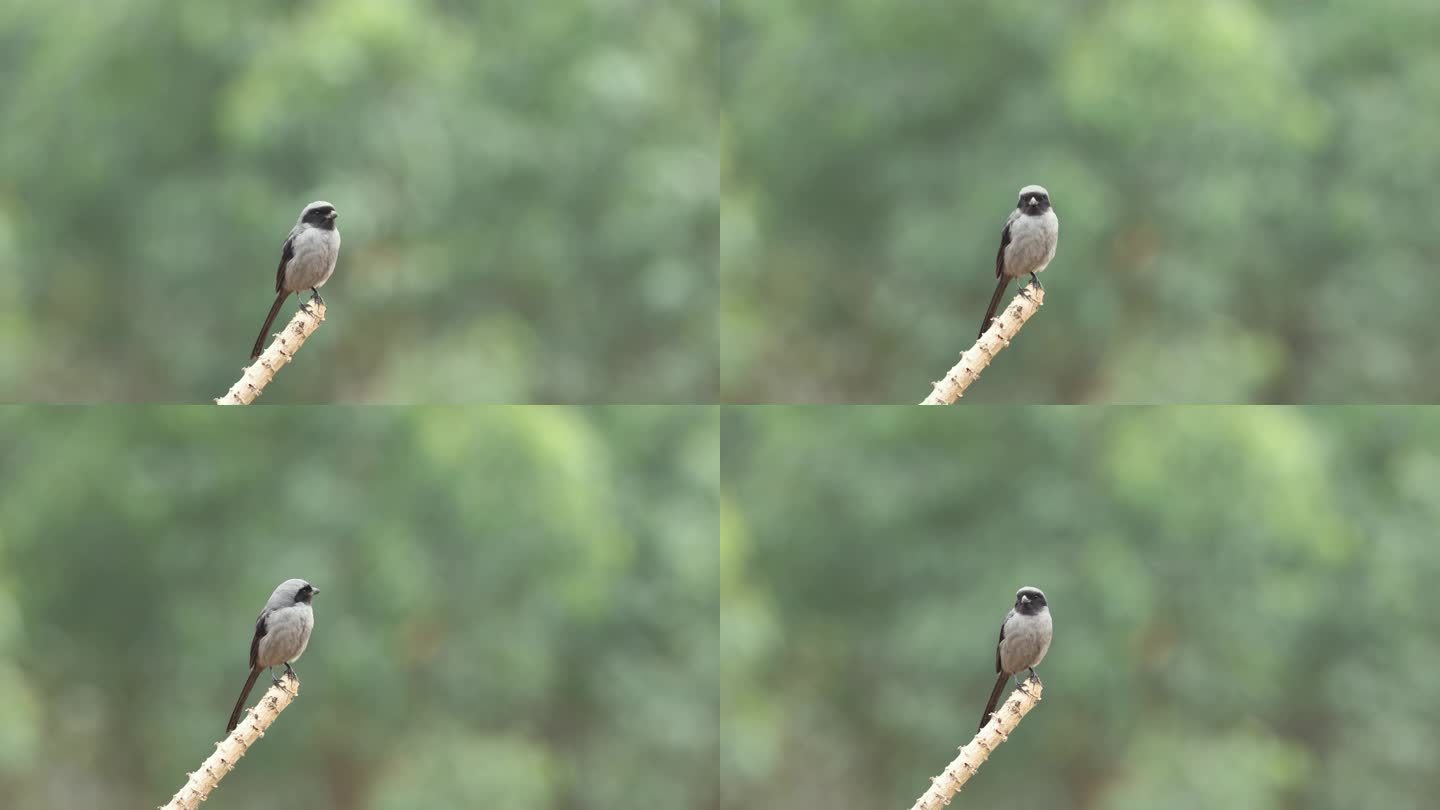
<point x="229" y="750"/>
<point x="281" y="350"/>
<point x="1002" y="330"/>
<point x="1002" y="723"/>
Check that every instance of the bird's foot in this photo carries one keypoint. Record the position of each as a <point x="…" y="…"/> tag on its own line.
<point x="290" y="672"/>
<point x="315" y="296"/>
<point x="1034" y="279"/>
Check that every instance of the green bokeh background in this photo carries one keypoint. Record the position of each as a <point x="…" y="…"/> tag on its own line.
<point x="518" y="606"/>
<point x="1244" y="190"/>
<point x="527" y="197"/>
<point x="1241" y="598"/>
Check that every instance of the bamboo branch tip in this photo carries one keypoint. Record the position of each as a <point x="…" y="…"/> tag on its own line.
<point x="997" y="336"/>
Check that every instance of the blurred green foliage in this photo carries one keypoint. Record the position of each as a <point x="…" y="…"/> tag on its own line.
<point x="1240" y="603"/>
<point x="527" y="196"/>
<point x="518" y="606"/>
<point x="1242" y="185"/>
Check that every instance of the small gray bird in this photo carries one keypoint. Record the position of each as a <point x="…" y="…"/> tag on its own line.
<point x="281" y="633"/>
<point x="1027" y="244"/>
<point x="1024" y="640"/>
<point x="306" y="261"/>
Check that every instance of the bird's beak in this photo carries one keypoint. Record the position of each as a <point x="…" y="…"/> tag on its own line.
<point x="1033" y="201"/>
<point x="1025" y="600"/>
<point x="314" y="590"/>
<point x="332" y="215"/>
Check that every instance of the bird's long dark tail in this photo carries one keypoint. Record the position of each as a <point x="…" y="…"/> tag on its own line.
<point x="1000" y="683"/>
<point x="994" y="304"/>
<point x="240" y="704"/>
<point x="269" y="321"/>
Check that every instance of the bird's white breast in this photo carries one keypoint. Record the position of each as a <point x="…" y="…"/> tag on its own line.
<point x="1027" y="639"/>
<point x="287" y="634"/>
<point x="316" y="250"/>
<point x="1032" y="243"/>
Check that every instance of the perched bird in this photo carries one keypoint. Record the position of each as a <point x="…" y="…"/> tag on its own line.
<point x="306" y="261"/>
<point x="281" y="633"/>
<point x="1027" y="244"/>
<point x="1024" y="640"/>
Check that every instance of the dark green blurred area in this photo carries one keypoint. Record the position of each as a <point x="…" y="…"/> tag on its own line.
<point x="527" y="198"/>
<point x="1240" y="596"/>
<point x="1244" y="192"/>
<point x="519" y="605"/>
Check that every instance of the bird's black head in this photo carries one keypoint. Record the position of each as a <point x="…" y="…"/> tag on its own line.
<point x="1034" y="200"/>
<point x="306" y="593"/>
<point x="1029" y="601"/>
<point x="319" y="214"/>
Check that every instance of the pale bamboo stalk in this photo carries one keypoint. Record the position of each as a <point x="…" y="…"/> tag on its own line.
<point x="1002" y="724"/>
<point x="229" y="750"/>
<point x="281" y="350"/>
<point x="1002" y="330"/>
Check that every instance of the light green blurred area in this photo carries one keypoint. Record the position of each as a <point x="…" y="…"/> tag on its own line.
<point x="527" y="198"/>
<point x="1243" y="189"/>
<point x="518" y="606"/>
<point x="1240" y="597"/>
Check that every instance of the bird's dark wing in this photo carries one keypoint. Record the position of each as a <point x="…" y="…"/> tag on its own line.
<point x="260" y="630"/>
<point x="288" y="252"/>
<point x="1004" y="241"/>
<point x="997" y="641"/>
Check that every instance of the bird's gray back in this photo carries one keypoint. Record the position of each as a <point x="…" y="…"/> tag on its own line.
<point x="1032" y="243"/>
<point x="1027" y="639"/>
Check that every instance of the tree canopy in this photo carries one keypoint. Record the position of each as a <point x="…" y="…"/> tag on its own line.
<point x="518" y="606"/>
<point x="527" y="197"/>
<point x="1238" y="185"/>
<point x="1240" y="599"/>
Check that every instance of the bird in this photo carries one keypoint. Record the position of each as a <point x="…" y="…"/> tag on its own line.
<point x="1024" y="640"/>
<point x="306" y="261"/>
<point x="1027" y="244"/>
<point x="281" y="633"/>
